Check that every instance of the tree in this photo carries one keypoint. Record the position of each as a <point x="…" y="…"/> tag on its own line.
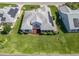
<point x="6" y="29"/>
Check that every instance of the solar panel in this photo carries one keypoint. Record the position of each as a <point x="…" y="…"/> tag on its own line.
<point x="76" y="22"/>
<point x="50" y="19"/>
<point x="13" y="12"/>
<point x="1" y="15"/>
<point x="3" y="19"/>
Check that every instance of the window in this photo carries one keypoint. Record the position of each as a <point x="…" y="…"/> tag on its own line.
<point x="76" y="22"/>
<point x="78" y="30"/>
<point x="72" y="30"/>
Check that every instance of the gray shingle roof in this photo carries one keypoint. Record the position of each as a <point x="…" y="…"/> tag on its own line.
<point x="66" y="9"/>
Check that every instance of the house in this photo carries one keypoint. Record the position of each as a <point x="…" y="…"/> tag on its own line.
<point x="37" y="21"/>
<point x="70" y="18"/>
<point x="8" y="15"/>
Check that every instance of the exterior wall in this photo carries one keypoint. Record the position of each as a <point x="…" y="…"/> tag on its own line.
<point x="49" y="32"/>
<point x="64" y="18"/>
<point x="46" y="30"/>
<point x="74" y="30"/>
<point x="71" y="17"/>
<point x="26" y="31"/>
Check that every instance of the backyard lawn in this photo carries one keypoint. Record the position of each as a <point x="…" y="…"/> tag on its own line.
<point x="62" y="43"/>
<point x="53" y="11"/>
<point x="73" y="5"/>
<point x="6" y="4"/>
<point x="30" y="7"/>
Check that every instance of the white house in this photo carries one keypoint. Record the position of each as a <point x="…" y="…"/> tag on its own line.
<point x="70" y="18"/>
<point x="37" y="20"/>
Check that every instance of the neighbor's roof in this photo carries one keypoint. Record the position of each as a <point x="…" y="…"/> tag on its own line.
<point x="72" y="15"/>
<point x="8" y="14"/>
<point x="39" y="15"/>
<point x="66" y="9"/>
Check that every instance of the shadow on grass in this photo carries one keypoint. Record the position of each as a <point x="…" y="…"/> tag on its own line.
<point x="60" y="24"/>
<point x="3" y="33"/>
<point x="21" y="19"/>
<point x="47" y="34"/>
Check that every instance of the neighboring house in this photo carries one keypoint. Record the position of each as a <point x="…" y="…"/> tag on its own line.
<point x="70" y="18"/>
<point x="8" y="15"/>
<point x="37" y="20"/>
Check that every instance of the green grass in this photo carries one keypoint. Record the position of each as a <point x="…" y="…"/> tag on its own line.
<point x="62" y="43"/>
<point x="73" y="5"/>
<point x="30" y="7"/>
<point x="6" y="4"/>
<point x="53" y="11"/>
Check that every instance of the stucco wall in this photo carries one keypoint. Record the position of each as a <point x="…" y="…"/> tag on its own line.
<point x="64" y="18"/>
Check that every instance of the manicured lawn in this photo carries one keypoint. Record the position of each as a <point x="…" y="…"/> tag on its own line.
<point x="6" y="4"/>
<point x="30" y="7"/>
<point x="62" y="43"/>
<point x="73" y="5"/>
<point x="53" y="11"/>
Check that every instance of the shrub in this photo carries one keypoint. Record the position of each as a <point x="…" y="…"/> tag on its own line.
<point x="54" y="18"/>
<point x="6" y="29"/>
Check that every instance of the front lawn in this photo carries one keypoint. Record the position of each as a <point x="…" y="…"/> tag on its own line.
<point x="62" y="43"/>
